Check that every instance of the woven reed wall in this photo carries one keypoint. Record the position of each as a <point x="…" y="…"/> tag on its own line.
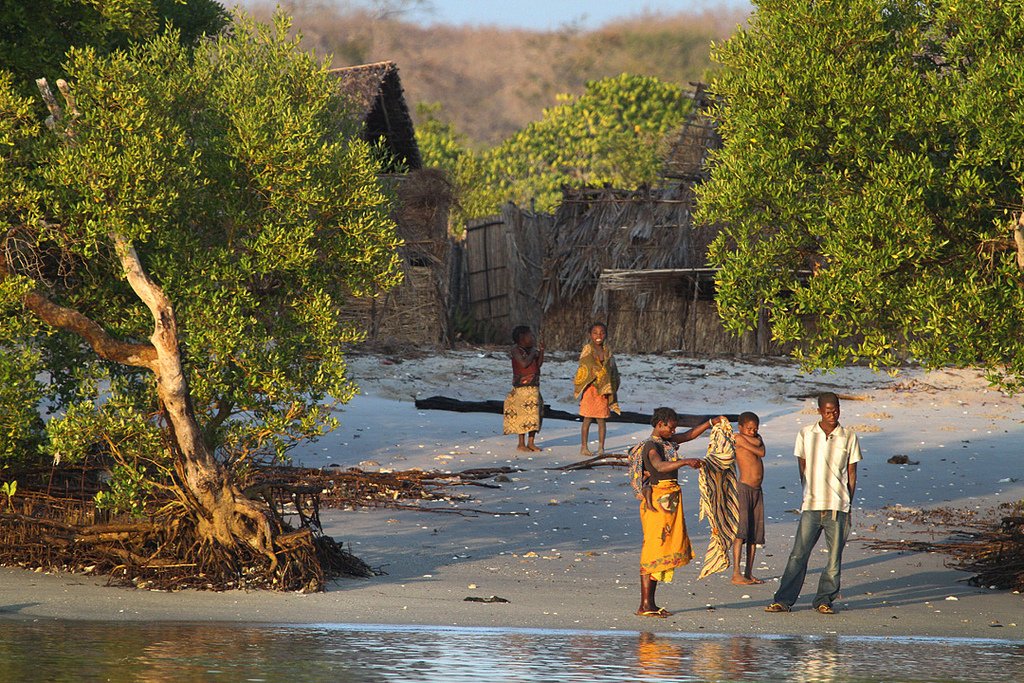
<point x="668" y="320"/>
<point x="411" y="313"/>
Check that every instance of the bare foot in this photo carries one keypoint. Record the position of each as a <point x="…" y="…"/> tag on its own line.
<point x="534" y="448"/>
<point x="524" y="449"/>
<point x="741" y="580"/>
<point x="586" y="452"/>
<point x="753" y="579"/>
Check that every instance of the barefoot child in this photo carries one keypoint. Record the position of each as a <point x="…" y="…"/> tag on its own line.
<point x="524" y="407"/>
<point x="595" y="386"/>
<point x="750" y="529"/>
<point x="666" y="544"/>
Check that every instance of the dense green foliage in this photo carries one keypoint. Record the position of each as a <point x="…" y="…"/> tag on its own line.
<point x="233" y="171"/>
<point x="873" y="155"/>
<point x="614" y="133"/>
<point x="20" y="422"/>
<point x="35" y="35"/>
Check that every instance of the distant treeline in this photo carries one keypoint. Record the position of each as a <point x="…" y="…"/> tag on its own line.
<point x="491" y="82"/>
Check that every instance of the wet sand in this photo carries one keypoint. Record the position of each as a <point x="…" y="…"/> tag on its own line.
<point x="572" y="562"/>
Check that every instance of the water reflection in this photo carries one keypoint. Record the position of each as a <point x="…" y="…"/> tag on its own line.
<point x="727" y="659"/>
<point x="166" y="653"/>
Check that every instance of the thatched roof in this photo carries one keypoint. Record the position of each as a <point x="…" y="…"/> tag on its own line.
<point x="698" y="136"/>
<point x="375" y="94"/>
<point x="605" y="239"/>
<point x="599" y="230"/>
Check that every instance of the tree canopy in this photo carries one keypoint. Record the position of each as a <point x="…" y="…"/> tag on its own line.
<point x="614" y="133"/>
<point x="224" y="178"/>
<point x="35" y="36"/>
<point x="869" y="181"/>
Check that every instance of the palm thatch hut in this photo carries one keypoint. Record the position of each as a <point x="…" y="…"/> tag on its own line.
<point x="419" y="310"/>
<point x="686" y="160"/>
<point x="375" y="97"/>
<point x="634" y="260"/>
<point x="630" y="258"/>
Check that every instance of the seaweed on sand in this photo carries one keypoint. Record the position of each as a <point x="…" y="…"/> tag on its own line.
<point x="990" y="545"/>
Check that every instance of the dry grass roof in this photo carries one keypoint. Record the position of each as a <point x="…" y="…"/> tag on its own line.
<point x="597" y="230"/>
<point x="635" y="237"/>
<point x="374" y="92"/>
<point x="687" y="157"/>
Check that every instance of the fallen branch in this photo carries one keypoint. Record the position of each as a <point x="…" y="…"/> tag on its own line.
<point x="620" y="460"/>
<point x="354" y="488"/>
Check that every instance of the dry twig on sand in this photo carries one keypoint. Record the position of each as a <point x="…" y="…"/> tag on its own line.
<point x="604" y="460"/>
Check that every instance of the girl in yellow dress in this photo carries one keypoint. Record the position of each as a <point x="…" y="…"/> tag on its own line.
<point x="596" y="386"/>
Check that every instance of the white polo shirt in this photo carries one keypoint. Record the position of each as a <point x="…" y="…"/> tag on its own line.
<point x="826" y="458"/>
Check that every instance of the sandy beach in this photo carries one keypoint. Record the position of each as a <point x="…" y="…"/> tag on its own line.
<point x="571" y="562"/>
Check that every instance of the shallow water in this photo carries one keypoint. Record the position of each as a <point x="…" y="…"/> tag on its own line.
<point x="104" y="651"/>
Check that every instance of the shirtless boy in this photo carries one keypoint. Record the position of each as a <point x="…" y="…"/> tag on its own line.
<point x="750" y="528"/>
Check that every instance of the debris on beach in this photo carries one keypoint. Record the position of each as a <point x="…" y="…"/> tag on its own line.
<point x="865" y="428"/>
<point x="354" y="488"/>
<point x="54" y="523"/>
<point x="914" y="385"/>
<point x="492" y="599"/>
<point x="900" y="459"/>
<point x="989" y="545"/>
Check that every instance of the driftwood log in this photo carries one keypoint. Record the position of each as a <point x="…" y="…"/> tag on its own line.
<point x="498" y="407"/>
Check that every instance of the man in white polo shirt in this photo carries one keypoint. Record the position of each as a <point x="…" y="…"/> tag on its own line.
<point x="828" y="455"/>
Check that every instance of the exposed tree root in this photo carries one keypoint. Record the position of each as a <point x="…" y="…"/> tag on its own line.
<point x="53" y="523"/>
<point x="169" y="549"/>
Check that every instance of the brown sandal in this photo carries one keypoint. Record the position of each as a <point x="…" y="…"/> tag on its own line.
<point x="778" y="607"/>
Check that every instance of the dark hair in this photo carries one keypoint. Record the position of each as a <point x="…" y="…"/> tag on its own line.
<point x="600" y="324"/>
<point x="827" y="398"/>
<point x="664" y="415"/>
<point x="518" y="331"/>
<point x="748" y="417"/>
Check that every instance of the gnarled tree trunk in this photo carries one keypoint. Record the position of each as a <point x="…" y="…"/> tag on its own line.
<point x="226" y="516"/>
